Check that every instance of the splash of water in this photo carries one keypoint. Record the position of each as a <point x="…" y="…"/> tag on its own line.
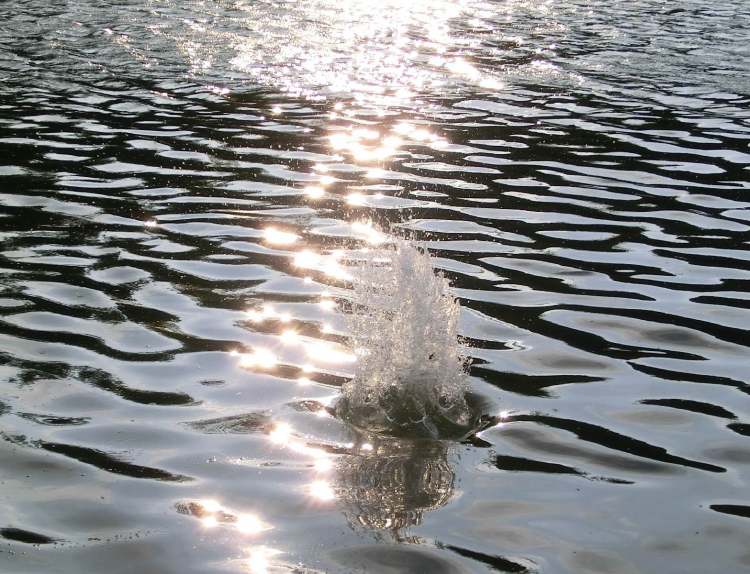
<point x="411" y="373"/>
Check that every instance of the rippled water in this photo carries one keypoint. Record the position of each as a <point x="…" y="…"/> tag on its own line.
<point x="182" y="183"/>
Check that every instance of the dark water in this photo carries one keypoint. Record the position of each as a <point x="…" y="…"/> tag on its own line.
<point x="579" y="169"/>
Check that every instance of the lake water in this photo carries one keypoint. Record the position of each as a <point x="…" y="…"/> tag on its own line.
<point x="181" y="184"/>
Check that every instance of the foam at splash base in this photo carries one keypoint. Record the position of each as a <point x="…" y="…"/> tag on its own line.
<point x="411" y="374"/>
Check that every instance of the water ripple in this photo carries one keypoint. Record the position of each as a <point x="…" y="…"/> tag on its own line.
<point x="185" y="188"/>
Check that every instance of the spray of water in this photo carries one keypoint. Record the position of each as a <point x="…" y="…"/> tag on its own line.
<point x="411" y="373"/>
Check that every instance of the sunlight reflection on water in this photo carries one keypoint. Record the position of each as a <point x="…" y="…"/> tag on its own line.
<point x="384" y="52"/>
<point x="393" y="76"/>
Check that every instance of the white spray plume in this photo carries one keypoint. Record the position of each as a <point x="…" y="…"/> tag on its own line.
<point x="411" y="372"/>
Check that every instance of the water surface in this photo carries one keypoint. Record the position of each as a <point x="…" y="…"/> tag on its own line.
<point x="181" y="183"/>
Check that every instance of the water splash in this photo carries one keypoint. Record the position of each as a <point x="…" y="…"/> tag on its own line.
<point x="411" y="372"/>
